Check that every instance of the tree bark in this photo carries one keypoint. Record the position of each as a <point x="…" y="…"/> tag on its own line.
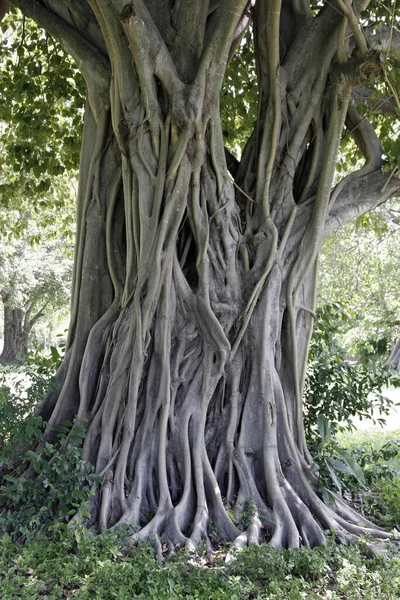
<point x="16" y="331"/>
<point x="394" y="358"/>
<point x="4" y="6"/>
<point x="193" y="294"/>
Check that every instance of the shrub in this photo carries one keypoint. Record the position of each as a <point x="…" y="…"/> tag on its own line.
<point x="40" y="482"/>
<point x="338" y="388"/>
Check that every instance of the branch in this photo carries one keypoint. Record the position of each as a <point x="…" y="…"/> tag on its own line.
<point x="220" y="33"/>
<point x="352" y="19"/>
<point x="92" y="64"/>
<point x="79" y="15"/>
<point x="241" y="27"/>
<point x="188" y="20"/>
<point x="148" y="47"/>
<point x="385" y="40"/>
<point x="39" y="314"/>
<point x="380" y="105"/>
<point x="269" y="17"/>
<point x="364" y="136"/>
<point x="361" y="194"/>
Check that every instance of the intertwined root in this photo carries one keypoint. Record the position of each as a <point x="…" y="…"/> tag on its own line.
<point x="192" y="454"/>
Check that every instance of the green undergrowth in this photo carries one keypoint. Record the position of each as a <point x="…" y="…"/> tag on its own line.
<point x="377" y="453"/>
<point x="80" y="565"/>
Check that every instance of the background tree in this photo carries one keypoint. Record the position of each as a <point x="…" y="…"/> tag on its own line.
<point x="34" y="284"/>
<point x="40" y="133"/>
<point x="359" y="266"/>
<point x="192" y="297"/>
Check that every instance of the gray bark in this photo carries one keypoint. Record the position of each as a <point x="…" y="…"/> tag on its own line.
<point x="15" y="336"/>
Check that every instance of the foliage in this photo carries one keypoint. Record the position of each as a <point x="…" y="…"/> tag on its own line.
<point x="336" y="392"/>
<point x="41" y="481"/>
<point x="334" y="466"/>
<point x="337" y="388"/>
<point x="35" y="275"/>
<point x="239" y="97"/>
<point x="40" y="124"/>
<point x="35" y="280"/>
<point x="361" y="262"/>
<point x="379" y="458"/>
<point x="381" y="502"/>
<point x="79" y="565"/>
<point x="21" y="390"/>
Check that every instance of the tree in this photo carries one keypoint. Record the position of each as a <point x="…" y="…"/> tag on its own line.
<point x="34" y="284"/>
<point x="40" y="129"/>
<point x="40" y="142"/>
<point x="360" y="263"/>
<point x="192" y="296"/>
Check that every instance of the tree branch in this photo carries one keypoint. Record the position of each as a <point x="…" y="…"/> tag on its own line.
<point x="385" y="40"/>
<point x="189" y="19"/>
<point x="149" y="49"/>
<point x="353" y="21"/>
<point x="38" y="315"/>
<point x="79" y="15"/>
<point x="242" y="26"/>
<point x="220" y="32"/>
<point x="92" y="64"/>
<point x="381" y="105"/>
<point x="364" y="136"/>
<point x="361" y="194"/>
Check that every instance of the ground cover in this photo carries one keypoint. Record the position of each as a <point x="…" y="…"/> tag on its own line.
<point x="79" y="565"/>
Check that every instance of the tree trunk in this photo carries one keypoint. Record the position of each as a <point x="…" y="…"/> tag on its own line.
<point x="394" y="358"/>
<point x="15" y="336"/>
<point x="192" y="296"/>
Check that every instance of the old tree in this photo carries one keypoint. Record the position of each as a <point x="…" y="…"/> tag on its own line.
<point x="193" y="286"/>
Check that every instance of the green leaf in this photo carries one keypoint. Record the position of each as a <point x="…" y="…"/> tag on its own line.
<point x="327" y="496"/>
<point x="339" y="466"/>
<point x="334" y="476"/>
<point x="354" y="467"/>
<point x="323" y="428"/>
<point x="9" y="478"/>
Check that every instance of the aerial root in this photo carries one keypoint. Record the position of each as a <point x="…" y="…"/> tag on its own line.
<point x="358" y="530"/>
<point x="296" y="523"/>
<point x="349" y="514"/>
<point x="252" y="535"/>
<point x="199" y="531"/>
<point x="254" y="530"/>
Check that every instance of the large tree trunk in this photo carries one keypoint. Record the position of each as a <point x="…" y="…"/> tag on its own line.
<point x="15" y="335"/>
<point x="192" y="298"/>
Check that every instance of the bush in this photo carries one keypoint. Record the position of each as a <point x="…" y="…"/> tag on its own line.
<point x="379" y="497"/>
<point x="40" y="482"/>
<point x="336" y="391"/>
<point x="338" y="388"/>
